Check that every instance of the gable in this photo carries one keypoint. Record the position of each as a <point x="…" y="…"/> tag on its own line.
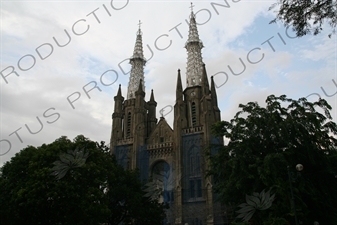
<point x="162" y="133"/>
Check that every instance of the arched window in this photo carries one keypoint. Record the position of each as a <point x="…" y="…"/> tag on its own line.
<point x="161" y="173"/>
<point x="194" y="114"/>
<point x="193" y="168"/>
<point x="197" y="165"/>
<point x="128" y="129"/>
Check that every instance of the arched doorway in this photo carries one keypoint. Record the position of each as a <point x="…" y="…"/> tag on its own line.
<point x="161" y="174"/>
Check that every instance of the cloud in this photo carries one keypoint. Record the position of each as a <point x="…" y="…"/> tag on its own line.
<point x="228" y="33"/>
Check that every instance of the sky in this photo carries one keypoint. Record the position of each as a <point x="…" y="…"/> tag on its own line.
<point x="61" y="62"/>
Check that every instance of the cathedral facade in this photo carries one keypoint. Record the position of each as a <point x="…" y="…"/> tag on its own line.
<point x="173" y="158"/>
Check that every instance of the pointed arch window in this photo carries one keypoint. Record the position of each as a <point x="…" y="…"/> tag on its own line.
<point x="194" y="114"/>
<point x="197" y="165"/>
<point x="128" y="125"/>
<point x="193" y="169"/>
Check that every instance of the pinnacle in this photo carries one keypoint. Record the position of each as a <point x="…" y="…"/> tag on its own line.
<point x="205" y="83"/>
<point x="179" y="90"/>
<point x="119" y="93"/>
<point x="152" y="96"/>
<point x="140" y="87"/>
<point x="213" y="93"/>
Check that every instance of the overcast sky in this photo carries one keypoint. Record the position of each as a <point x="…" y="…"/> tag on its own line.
<point x="53" y="72"/>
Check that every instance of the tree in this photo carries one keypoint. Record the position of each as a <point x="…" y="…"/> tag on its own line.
<point x="263" y="142"/>
<point x="70" y="182"/>
<point x="307" y="16"/>
<point x="130" y="205"/>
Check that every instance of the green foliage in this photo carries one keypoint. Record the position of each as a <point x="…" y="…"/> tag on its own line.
<point x="307" y="16"/>
<point x="276" y="221"/>
<point x="129" y="204"/>
<point x="263" y="141"/>
<point x="70" y="160"/>
<point x="53" y="184"/>
<point x="239" y="223"/>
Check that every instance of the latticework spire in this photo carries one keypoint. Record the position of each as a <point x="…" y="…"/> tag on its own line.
<point x="194" y="58"/>
<point x="137" y="62"/>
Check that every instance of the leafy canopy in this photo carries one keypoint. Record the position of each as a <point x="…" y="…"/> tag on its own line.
<point x="257" y="201"/>
<point x="72" y="182"/>
<point x="307" y="16"/>
<point x="263" y="141"/>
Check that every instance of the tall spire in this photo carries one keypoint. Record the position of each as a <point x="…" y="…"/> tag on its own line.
<point x="119" y="93"/>
<point x="140" y="90"/>
<point x="194" y="58"/>
<point x="152" y="96"/>
<point x="213" y="93"/>
<point x="137" y="62"/>
<point x="204" y="81"/>
<point x="179" y="89"/>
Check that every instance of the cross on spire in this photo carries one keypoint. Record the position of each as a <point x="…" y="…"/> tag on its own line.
<point x="139" y="24"/>
<point x="191" y="6"/>
<point x="139" y="31"/>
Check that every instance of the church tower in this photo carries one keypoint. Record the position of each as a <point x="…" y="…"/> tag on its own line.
<point x="134" y="118"/>
<point x="176" y="157"/>
<point x="195" y="111"/>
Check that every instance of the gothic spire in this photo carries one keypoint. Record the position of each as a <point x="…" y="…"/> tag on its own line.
<point x="204" y="81"/>
<point x="137" y="62"/>
<point x="119" y="93"/>
<point x="152" y="96"/>
<point x="213" y="93"/>
<point x="179" y="90"/>
<point x="194" y="58"/>
<point x="118" y="102"/>
<point x="140" y="90"/>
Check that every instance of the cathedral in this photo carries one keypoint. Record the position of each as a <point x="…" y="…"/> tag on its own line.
<point x="173" y="157"/>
